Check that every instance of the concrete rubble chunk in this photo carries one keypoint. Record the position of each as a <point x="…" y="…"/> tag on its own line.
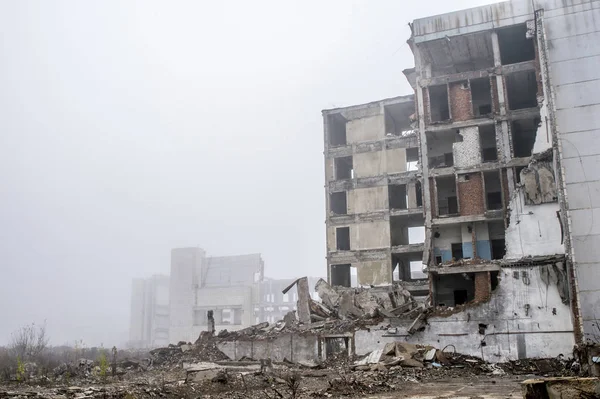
<point x="328" y="295"/>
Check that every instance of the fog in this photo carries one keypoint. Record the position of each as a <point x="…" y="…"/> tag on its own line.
<point x="128" y="128"/>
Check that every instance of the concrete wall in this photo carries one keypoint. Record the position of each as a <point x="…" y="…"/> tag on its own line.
<point x="293" y="347"/>
<point x="513" y="330"/>
<point x="374" y="273"/>
<point x="365" y="200"/>
<point x="396" y="160"/>
<point x="370" y="235"/>
<point x="532" y="229"/>
<point x="442" y="246"/>
<point x="369" y="128"/>
<point x="185" y="266"/>
<point x="149" y="318"/>
<point x="484" y="250"/>
<point x="573" y="42"/>
<point x="369" y="164"/>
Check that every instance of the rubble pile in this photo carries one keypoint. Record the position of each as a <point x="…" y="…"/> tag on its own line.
<point x="362" y="303"/>
<point x="204" y="349"/>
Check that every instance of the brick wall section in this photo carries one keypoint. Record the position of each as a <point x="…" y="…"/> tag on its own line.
<point x="495" y="102"/>
<point x="432" y="196"/>
<point x="470" y="195"/>
<point x="483" y="287"/>
<point x="461" y="107"/>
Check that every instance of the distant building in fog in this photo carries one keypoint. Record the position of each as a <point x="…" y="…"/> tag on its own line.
<point x="167" y="310"/>
<point x="149" y="322"/>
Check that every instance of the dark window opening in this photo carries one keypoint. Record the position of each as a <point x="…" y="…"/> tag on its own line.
<point x="397" y="119"/>
<point x="337" y="130"/>
<point x="452" y="205"/>
<point x="343" y="168"/>
<point x="406" y="230"/>
<point x="412" y="159"/>
<point x="518" y="170"/>
<point x="521" y="90"/>
<point x="498" y="248"/>
<point x="338" y="203"/>
<point x="447" y="201"/>
<point x="460" y="297"/>
<point x="493" y="189"/>
<point x="487" y="140"/>
<point x="342" y="236"/>
<point x="438" y="103"/>
<point x="523" y="134"/>
<point x="398" y="196"/>
<point x="336" y="345"/>
<point x="440" y="147"/>
<point x="494" y="201"/>
<point x="340" y="275"/>
<point x="481" y="95"/>
<point x="419" y="194"/>
<point x="514" y="45"/>
<point x="457" y="251"/>
<point x="495" y="280"/>
<point x="438" y="260"/>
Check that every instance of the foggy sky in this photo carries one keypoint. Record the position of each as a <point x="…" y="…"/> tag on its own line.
<point x="128" y="128"/>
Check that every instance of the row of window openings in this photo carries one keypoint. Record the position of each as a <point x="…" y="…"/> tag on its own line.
<point x="344" y="168"/>
<point x="396" y="123"/>
<point x="447" y="200"/>
<point x="497" y="246"/>
<point x="398" y="198"/>
<point x="286" y="297"/>
<point x="521" y="92"/>
<point x="346" y="275"/>
<point x="521" y="88"/>
<point x="399" y="235"/>
<point x="523" y="134"/>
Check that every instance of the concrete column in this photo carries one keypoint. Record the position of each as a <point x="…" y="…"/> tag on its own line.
<point x="411" y="190"/>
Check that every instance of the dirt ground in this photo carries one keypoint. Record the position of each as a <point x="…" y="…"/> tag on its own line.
<point x="483" y="388"/>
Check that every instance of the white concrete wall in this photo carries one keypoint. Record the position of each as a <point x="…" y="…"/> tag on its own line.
<point x="533" y="229"/>
<point x="371" y="199"/>
<point x="185" y="267"/>
<point x="370" y="235"/>
<point x="370" y="128"/>
<point x="573" y="35"/>
<point x="513" y="330"/>
<point x="369" y="164"/>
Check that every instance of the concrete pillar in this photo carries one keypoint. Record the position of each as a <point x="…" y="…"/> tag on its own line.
<point x="411" y="190"/>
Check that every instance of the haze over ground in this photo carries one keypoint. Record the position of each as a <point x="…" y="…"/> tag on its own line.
<point x="130" y="128"/>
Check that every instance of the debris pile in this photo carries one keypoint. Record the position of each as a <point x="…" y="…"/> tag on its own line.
<point x="363" y="303"/>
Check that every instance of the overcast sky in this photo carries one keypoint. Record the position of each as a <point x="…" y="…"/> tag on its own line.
<point x="128" y="128"/>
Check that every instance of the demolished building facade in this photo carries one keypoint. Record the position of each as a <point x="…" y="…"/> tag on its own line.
<point x="504" y="139"/>
<point x="373" y="189"/>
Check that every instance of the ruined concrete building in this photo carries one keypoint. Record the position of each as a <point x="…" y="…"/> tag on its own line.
<point x="171" y="309"/>
<point x="496" y="155"/>
<point x="374" y="201"/>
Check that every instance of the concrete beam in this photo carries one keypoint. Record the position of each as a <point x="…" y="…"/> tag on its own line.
<point x="488" y="216"/>
<point x="476" y="268"/>
<point x="404" y="249"/>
